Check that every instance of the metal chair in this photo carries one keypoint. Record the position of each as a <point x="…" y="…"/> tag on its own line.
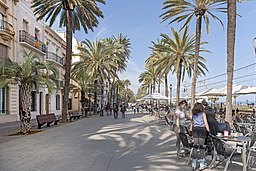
<point x="187" y="145"/>
<point x="224" y="151"/>
<point x="252" y="151"/>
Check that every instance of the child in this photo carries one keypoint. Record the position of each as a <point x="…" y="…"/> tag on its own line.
<point x="199" y="127"/>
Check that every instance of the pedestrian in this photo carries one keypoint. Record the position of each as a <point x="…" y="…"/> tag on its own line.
<point x="200" y="129"/>
<point x="123" y="109"/>
<point x="180" y="118"/>
<point x="211" y="119"/>
<point x="107" y="108"/>
<point x="110" y="109"/>
<point x="101" y="110"/>
<point x="138" y="108"/>
<point x="115" y="110"/>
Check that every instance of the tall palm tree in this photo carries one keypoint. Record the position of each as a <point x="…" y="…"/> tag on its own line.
<point x="73" y="15"/>
<point x="231" y="32"/>
<point x="180" y="58"/>
<point x="29" y="74"/>
<point x="149" y="78"/>
<point x="184" y="10"/>
<point x="97" y="62"/>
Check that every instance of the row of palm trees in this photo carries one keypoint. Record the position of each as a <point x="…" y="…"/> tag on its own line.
<point x="100" y="62"/>
<point x="177" y="11"/>
<point x="171" y="54"/>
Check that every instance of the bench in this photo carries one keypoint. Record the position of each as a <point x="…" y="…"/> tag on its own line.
<point x="74" y="115"/>
<point x="46" y="119"/>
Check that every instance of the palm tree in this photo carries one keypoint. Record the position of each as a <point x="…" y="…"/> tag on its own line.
<point x="149" y="78"/>
<point x="83" y="80"/>
<point x="73" y="15"/>
<point x="180" y="50"/>
<point x="231" y="32"/>
<point x="29" y="74"/>
<point x="97" y="62"/>
<point x="184" y="10"/>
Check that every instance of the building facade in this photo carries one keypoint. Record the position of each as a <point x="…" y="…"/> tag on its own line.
<point x="56" y="52"/>
<point x="8" y="35"/>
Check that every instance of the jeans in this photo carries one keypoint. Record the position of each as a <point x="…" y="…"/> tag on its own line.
<point x="182" y="129"/>
<point x="199" y="136"/>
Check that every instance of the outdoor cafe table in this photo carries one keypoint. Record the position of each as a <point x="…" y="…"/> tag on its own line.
<point x="243" y="140"/>
<point x="251" y="125"/>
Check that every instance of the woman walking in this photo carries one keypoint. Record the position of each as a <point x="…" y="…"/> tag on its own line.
<point x="180" y="118"/>
<point x="199" y="127"/>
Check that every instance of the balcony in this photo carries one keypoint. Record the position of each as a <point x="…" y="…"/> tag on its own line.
<point x="6" y="29"/>
<point x="28" y="40"/>
<point x="54" y="57"/>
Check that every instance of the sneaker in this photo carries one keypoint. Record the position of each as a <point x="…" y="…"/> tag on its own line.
<point x="202" y="165"/>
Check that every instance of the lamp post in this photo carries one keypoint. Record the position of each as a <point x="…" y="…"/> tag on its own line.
<point x="170" y="95"/>
<point x="254" y="44"/>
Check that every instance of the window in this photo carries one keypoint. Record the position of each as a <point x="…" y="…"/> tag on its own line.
<point x="1" y="21"/>
<point x="57" y="102"/>
<point x="3" y="51"/>
<point x="33" y="101"/>
<point x="69" y="104"/>
<point x="2" y="101"/>
<point x="25" y="25"/>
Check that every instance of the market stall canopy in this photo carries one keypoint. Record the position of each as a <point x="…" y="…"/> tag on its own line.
<point x="155" y="96"/>
<point x="223" y="91"/>
<point x="248" y="90"/>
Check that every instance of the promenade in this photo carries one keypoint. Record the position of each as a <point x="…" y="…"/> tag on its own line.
<point x="95" y="144"/>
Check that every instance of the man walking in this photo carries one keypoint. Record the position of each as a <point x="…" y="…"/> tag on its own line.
<point x="123" y="109"/>
<point x="115" y="106"/>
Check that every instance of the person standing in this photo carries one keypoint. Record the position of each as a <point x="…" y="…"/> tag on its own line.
<point x="211" y="119"/>
<point x="115" y="110"/>
<point x="180" y="118"/>
<point x="107" y="108"/>
<point x="199" y="127"/>
<point x="123" y="109"/>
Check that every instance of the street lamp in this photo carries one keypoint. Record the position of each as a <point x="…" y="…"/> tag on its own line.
<point x="170" y="95"/>
<point x="254" y="44"/>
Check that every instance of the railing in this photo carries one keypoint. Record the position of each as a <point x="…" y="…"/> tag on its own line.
<point x="29" y="39"/>
<point x="6" y="27"/>
<point x="55" y="57"/>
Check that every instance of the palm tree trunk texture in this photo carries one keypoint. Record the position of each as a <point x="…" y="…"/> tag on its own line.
<point x="231" y="33"/>
<point x="95" y="97"/>
<point x="178" y="84"/>
<point x="67" y="65"/>
<point x="166" y="85"/>
<point x="159" y="85"/>
<point x="109" y="90"/>
<point x="25" y="116"/>
<point x="197" y="47"/>
<point x="83" y="101"/>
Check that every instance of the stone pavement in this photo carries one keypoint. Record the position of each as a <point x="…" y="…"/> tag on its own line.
<point x="96" y="144"/>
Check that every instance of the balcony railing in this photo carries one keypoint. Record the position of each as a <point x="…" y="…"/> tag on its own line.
<point x="6" y="27"/>
<point x="29" y="39"/>
<point x="55" y="57"/>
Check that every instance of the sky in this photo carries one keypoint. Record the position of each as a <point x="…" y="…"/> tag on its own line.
<point x="139" y="20"/>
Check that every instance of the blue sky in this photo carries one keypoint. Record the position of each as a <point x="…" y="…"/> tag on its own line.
<point x="139" y="20"/>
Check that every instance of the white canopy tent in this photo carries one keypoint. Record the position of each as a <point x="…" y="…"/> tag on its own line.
<point x="155" y="96"/>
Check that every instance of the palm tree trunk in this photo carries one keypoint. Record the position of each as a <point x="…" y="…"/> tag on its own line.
<point x="159" y="85"/>
<point x="178" y="84"/>
<point x="166" y="84"/>
<point x="109" y="90"/>
<point x="231" y="33"/>
<point x="83" y="100"/>
<point x="95" y="97"/>
<point x="195" y="73"/>
<point x="25" y="115"/>
<point x="67" y="65"/>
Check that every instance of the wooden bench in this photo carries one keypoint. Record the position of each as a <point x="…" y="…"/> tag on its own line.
<point x="74" y="115"/>
<point x="46" y="119"/>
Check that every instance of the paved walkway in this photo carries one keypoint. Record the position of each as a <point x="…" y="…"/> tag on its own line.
<point x="96" y="144"/>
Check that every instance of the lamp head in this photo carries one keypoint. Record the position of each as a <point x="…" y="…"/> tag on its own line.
<point x="254" y="43"/>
